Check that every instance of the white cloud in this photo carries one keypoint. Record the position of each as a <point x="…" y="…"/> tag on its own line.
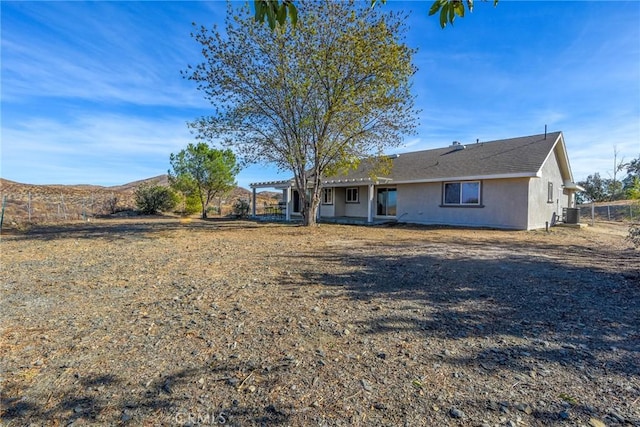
<point x="93" y="146"/>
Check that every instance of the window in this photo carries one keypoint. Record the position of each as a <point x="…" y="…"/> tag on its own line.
<point x="352" y="195"/>
<point x="550" y="192"/>
<point x="327" y="196"/>
<point x="462" y="193"/>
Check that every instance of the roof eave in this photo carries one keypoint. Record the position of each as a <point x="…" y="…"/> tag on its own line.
<point x="469" y="178"/>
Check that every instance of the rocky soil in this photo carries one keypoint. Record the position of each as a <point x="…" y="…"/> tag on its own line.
<point x="163" y="322"/>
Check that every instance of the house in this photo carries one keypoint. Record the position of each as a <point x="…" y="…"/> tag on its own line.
<point x="519" y="183"/>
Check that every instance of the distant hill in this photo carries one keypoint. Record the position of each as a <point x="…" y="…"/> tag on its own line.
<point x="131" y="186"/>
<point x="50" y="203"/>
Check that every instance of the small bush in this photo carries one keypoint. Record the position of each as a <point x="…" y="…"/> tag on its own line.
<point x="634" y="234"/>
<point x="241" y="208"/>
<point x="111" y="204"/>
<point x="151" y="199"/>
<point x="188" y="205"/>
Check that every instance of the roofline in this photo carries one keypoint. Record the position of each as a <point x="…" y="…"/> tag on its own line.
<point x="470" y="178"/>
<point x="570" y="185"/>
<point x="564" y="158"/>
<point x="378" y="180"/>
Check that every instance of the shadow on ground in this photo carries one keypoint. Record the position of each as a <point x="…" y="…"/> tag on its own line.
<point x="570" y="305"/>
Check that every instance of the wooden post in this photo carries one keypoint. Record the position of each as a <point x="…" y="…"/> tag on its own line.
<point x="593" y="213"/>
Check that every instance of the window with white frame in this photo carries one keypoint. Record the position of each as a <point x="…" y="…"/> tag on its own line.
<point x="550" y="192"/>
<point x="327" y="196"/>
<point x="463" y="193"/>
<point x="352" y="195"/>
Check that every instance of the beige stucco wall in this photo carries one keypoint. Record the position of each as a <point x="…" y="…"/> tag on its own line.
<point x="357" y="209"/>
<point x="341" y="208"/>
<point x="504" y="205"/>
<point x="540" y="211"/>
<point x="328" y="210"/>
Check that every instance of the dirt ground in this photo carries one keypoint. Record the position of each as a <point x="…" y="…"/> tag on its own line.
<point x="167" y="322"/>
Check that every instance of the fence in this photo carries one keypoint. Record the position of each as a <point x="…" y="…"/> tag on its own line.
<point x="46" y="208"/>
<point x="609" y="212"/>
<point x="40" y="208"/>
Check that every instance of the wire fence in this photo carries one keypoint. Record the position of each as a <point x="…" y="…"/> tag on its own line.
<point x="592" y="213"/>
<point x="26" y="207"/>
<point x="38" y="208"/>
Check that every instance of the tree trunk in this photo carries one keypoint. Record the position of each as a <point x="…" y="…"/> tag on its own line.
<point x="204" y="209"/>
<point x="311" y="210"/>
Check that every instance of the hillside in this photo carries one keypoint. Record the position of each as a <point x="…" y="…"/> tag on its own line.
<point x="52" y="203"/>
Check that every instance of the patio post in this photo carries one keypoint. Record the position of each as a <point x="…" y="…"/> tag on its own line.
<point x="253" y="203"/>
<point x="370" y="204"/>
<point x="288" y="204"/>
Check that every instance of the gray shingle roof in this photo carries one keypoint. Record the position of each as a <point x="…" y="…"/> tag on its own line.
<point x="523" y="156"/>
<point x="513" y="157"/>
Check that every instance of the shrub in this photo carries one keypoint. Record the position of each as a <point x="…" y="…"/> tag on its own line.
<point x="151" y="199"/>
<point x="241" y="208"/>
<point x="188" y="205"/>
<point x="634" y="234"/>
<point x="111" y="204"/>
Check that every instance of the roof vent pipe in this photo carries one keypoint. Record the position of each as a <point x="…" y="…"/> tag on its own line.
<point x="545" y="131"/>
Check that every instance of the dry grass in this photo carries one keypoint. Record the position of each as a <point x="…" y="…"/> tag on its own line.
<point x="162" y="322"/>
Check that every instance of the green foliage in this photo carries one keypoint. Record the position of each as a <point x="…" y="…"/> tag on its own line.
<point x="632" y="182"/>
<point x="241" y="208"/>
<point x="151" y="199"/>
<point x="308" y="99"/>
<point x="200" y="172"/>
<point x="276" y="12"/>
<point x="632" y="188"/>
<point x="188" y="204"/>
<point x="449" y="9"/>
<point x="599" y="189"/>
<point x="595" y="189"/>
<point x="633" y="167"/>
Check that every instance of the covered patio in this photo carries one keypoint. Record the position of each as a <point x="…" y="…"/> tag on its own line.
<point x="343" y="201"/>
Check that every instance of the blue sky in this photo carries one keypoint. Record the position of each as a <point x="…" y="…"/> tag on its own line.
<point x="92" y="92"/>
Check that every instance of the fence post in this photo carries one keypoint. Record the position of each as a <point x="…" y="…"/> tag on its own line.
<point x="608" y="213"/>
<point x="4" y="203"/>
<point x="593" y="213"/>
<point x="29" y="205"/>
<point x="64" y="208"/>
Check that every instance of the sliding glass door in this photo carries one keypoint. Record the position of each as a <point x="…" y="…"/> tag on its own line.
<point x="386" y="202"/>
